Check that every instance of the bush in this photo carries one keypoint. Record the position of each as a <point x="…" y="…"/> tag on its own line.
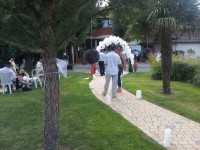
<point x="151" y="58"/>
<point x="190" y="51"/>
<point x="180" y="71"/>
<point x="196" y="80"/>
<point x="156" y="71"/>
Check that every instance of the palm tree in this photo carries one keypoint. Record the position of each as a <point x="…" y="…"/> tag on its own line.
<point x="168" y="17"/>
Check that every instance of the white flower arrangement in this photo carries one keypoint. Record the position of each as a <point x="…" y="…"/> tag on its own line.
<point x="117" y="41"/>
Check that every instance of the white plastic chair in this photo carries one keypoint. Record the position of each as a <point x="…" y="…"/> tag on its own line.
<point x="35" y="78"/>
<point x="6" y="80"/>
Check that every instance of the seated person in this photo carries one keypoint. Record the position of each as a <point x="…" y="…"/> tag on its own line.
<point x="23" y="71"/>
<point x="39" y="66"/>
<point x="24" y="82"/>
<point x="8" y="68"/>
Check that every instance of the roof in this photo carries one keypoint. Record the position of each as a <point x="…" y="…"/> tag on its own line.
<point x="187" y="38"/>
<point x="177" y="37"/>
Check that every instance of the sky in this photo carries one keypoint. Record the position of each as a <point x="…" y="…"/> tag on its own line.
<point x="104" y="2"/>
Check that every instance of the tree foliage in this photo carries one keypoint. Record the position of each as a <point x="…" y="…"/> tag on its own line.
<point x="163" y="18"/>
<point x="45" y="27"/>
<point x="131" y="19"/>
<point x="167" y="18"/>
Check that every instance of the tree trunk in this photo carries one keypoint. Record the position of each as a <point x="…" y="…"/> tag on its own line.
<point x="166" y="55"/>
<point x="51" y="127"/>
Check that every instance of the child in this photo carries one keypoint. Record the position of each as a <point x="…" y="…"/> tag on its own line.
<point x="24" y="82"/>
<point x="93" y="69"/>
<point x="25" y="73"/>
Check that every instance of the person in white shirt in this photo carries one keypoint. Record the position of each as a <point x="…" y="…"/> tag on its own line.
<point x="39" y="67"/>
<point x="7" y="69"/>
<point x="158" y="56"/>
<point x="12" y="61"/>
<point x="24" y="82"/>
<point x="102" y="58"/>
<point x="23" y="71"/>
<point x="22" y="66"/>
<point x="112" y="61"/>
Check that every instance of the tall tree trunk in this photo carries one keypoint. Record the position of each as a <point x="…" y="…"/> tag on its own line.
<point x="166" y="55"/>
<point x="51" y="127"/>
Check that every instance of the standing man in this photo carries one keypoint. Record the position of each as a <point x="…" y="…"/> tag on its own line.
<point x="14" y="68"/>
<point x="112" y="61"/>
<point x="102" y="58"/>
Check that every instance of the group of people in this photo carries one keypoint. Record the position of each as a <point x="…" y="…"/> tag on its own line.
<point x="20" y="78"/>
<point x="113" y="63"/>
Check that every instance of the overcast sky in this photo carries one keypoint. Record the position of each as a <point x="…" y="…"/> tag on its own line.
<point x="104" y="2"/>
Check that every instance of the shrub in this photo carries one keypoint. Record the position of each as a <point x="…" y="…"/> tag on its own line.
<point x="190" y="51"/>
<point x="156" y="71"/>
<point x="196" y="79"/>
<point x="180" y="71"/>
<point x="151" y="58"/>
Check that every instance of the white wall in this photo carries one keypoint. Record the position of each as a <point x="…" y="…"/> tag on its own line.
<point x="186" y="46"/>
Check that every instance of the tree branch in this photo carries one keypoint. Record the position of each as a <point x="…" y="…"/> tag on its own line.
<point x="66" y="40"/>
<point x="18" y="18"/>
<point x="68" y="14"/>
<point x="4" y="6"/>
<point x="72" y="35"/>
<point x="28" y="32"/>
<point x="22" y="47"/>
<point x="32" y="11"/>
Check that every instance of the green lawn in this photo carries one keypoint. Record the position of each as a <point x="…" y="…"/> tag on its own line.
<point x="185" y="99"/>
<point x="85" y="123"/>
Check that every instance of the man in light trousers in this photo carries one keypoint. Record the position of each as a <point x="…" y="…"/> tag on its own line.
<point x="112" y="62"/>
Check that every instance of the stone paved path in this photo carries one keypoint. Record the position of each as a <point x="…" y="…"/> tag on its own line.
<point x="152" y="119"/>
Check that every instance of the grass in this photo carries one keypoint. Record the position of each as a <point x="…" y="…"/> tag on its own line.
<point x="85" y="122"/>
<point x="185" y="99"/>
